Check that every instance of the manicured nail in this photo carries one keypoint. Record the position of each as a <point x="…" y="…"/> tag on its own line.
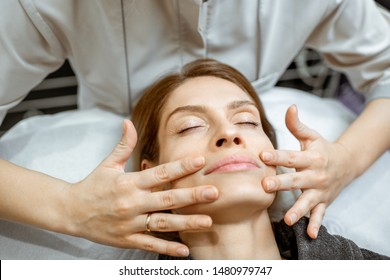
<point x="267" y="156"/>
<point x="271" y="185"/>
<point x="197" y="162"/>
<point x="182" y="251"/>
<point x="210" y="194"/>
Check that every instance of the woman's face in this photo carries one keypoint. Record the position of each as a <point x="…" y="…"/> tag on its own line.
<point x="215" y="118"/>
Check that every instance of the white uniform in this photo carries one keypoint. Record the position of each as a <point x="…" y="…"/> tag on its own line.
<point x="118" y="48"/>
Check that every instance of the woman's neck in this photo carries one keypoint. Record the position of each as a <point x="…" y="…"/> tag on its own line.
<point x="252" y="238"/>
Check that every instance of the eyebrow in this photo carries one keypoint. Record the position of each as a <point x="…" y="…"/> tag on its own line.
<point x="240" y="103"/>
<point x="202" y="109"/>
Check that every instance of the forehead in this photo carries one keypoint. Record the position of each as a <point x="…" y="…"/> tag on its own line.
<point x="207" y="91"/>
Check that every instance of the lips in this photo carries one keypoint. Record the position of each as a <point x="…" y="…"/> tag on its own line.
<point x="232" y="164"/>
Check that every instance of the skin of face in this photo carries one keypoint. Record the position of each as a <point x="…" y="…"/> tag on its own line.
<point x="215" y="118"/>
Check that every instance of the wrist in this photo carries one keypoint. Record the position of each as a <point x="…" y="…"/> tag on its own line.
<point x="56" y="212"/>
<point x="350" y="163"/>
<point x="65" y="221"/>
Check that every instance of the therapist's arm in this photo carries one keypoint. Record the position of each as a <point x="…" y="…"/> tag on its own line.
<point x="32" y="197"/>
<point x="369" y="136"/>
<point x="110" y="206"/>
<point x="324" y="168"/>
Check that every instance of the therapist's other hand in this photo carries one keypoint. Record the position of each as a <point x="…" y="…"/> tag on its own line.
<point x="110" y="206"/>
<point x="321" y="172"/>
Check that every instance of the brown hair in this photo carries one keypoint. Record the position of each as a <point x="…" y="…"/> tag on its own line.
<point x="147" y="113"/>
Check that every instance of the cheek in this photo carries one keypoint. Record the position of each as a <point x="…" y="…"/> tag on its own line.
<point x="173" y="154"/>
<point x="187" y="181"/>
<point x="180" y="148"/>
<point x="258" y="143"/>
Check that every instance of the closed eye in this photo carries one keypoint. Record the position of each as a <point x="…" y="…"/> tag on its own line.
<point x="250" y="123"/>
<point x="184" y="130"/>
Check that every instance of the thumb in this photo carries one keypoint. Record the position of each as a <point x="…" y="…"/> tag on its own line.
<point x="296" y="127"/>
<point x="123" y="150"/>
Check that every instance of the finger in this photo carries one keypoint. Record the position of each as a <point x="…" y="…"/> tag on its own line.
<point x="168" y="172"/>
<point x="305" y="202"/>
<point x="291" y="159"/>
<point x="315" y="221"/>
<point x="167" y="222"/>
<point x="297" y="128"/>
<point x="290" y="181"/>
<point x="178" y="198"/>
<point x="122" y="151"/>
<point x="157" y="245"/>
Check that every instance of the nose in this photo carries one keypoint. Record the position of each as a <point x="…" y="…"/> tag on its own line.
<point x="226" y="141"/>
<point x="226" y="134"/>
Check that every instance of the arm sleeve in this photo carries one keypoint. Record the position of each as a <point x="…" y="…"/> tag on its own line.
<point x="354" y="38"/>
<point x="29" y="51"/>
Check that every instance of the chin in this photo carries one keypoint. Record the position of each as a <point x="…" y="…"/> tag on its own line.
<point x="239" y="195"/>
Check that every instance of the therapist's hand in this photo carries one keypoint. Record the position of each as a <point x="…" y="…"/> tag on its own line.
<point x="321" y="172"/>
<point x="110" y="206"/>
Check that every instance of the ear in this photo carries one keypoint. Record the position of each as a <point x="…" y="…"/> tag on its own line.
<point x="146" y="164"/>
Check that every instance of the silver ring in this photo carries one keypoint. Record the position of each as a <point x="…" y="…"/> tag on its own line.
<point x="147" y="228"/>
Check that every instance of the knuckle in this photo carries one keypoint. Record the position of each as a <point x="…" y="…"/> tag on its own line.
<point x="295" y="182"/>
<point x="162" y="223"/>
<point x="122" y="206"/>
<point x="122" y="183"/>
<point x="301" y="127"/>
<point x="185" y="166"/>
<point x="276" y="156"/>
<point x="161" y="173"/>
<point x="192" y="195"/>
<point x="322" y="179"/>
<point x="168" y="199"/>
<point x="121" y="147"/>
<point x="191" y="223"/>
<point x="122" y="144"/>
<point x="148" y="246"/>
<point x="195" y="196"/>
<point x="318" y="158"/>
<point x="120" y="231"/>
<point x="291" y="159"/>
<point x="295" y="187"/>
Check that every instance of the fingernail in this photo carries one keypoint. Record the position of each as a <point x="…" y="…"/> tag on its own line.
<point x="267" y="156"/>
<point x="210" y="194"/>
<point x="315" y="232"/>
<point x="205" y="223"/>
<point x="293" y="218"/>
<point x="123" y="127"/>
<point x="271" y="185"/>
<point x="197" y="162"/>
<point x="182" y="251"/>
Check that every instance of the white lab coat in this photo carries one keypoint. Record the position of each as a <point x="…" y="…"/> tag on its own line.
<point x="118" y="48"/>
